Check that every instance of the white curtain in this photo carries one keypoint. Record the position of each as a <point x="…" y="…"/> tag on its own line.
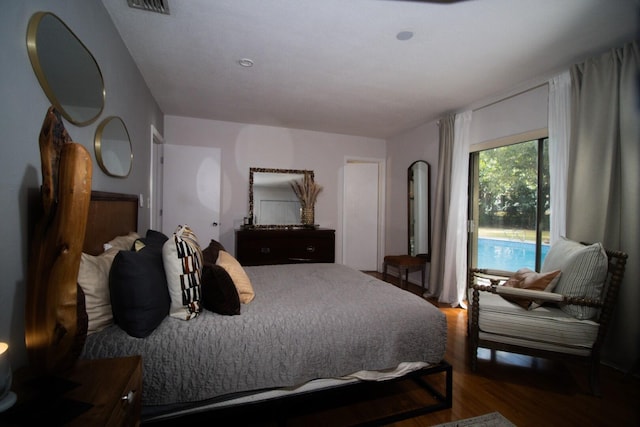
<point x="455" y="262"/>
<point x="559" y="137"/>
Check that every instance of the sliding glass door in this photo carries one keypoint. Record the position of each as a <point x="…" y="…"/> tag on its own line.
<point x="509" y="206"/>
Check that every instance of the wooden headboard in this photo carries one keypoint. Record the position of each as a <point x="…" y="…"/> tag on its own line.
<point x="110" y="215"/>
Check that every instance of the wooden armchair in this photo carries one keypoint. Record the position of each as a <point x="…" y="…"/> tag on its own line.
<point x="568" y="323"/>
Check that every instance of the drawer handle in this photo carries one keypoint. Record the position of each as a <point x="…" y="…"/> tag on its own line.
<point x="311" y="248"/>
<point x="265" y="250"/>
<point x="128" y="398"/>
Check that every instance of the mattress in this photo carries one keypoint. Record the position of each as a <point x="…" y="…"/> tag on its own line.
<point x="307" y="322"/>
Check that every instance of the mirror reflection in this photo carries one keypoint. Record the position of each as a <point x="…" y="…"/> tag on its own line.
<point x="272" y="201"/>
<point x="419" y="209"/>
<point x="113" y="147"/>
<point x="66" y="70"/>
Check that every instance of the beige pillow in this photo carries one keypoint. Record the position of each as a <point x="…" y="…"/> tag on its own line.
<point x="528" y="279"/>
<point x="238" y="275"/>
<point x="123" y="243"/>
<point x="93" y="278"/>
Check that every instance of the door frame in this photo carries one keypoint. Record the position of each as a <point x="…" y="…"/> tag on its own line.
<point x="155" y="179"/>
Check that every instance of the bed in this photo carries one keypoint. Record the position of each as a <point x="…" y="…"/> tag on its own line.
<point x="308" y="329"/>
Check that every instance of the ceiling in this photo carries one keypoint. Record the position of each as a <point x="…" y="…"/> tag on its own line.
<point x="338" y="66"/>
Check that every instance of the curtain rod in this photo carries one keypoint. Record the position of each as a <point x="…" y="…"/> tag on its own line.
<point x="504" y="99"/>
<point x="510" y="96"/>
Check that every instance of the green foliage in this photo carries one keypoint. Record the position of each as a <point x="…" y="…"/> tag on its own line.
<point x="508" y="183"/>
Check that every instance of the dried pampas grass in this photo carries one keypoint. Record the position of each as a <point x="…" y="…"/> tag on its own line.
<point x="307" y="191"/>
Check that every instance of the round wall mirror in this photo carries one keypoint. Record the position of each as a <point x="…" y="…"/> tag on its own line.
<point x="113" y="147"/>
<point x="66" y="70"/>
<point x="419" y="209"/>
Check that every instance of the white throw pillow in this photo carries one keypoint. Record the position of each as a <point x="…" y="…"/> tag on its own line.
<point x="584" y="270"/>
<point x="182" y="259"/>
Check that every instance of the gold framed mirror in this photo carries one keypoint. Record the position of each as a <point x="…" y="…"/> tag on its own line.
<point x="419" y="209"/>
<point x="66" y="70"/>
<point x="112" y="147"/>
<point x="272" y="201"/>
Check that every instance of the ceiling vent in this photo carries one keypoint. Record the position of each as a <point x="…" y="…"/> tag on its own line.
<point x="160" y="6"/>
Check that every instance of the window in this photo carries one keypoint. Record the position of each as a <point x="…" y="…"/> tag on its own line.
<point x="510" y="206"/>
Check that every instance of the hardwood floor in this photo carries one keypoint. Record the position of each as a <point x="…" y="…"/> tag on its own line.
<point x="528" y="391"/>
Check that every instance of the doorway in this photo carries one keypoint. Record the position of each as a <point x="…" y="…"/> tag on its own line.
<point x="363" y="214"/>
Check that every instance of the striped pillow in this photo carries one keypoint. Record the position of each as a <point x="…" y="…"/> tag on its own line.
<point x="182" y="259"/>
<point x="584" y="270"/>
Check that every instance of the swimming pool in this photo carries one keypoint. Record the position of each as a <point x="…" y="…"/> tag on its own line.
<point x="510" y="255"/>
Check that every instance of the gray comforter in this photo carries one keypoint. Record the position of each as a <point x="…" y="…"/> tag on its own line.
<point x="306" y="322"/>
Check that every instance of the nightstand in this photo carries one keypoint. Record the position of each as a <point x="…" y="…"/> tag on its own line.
<point x="104" y="392"/>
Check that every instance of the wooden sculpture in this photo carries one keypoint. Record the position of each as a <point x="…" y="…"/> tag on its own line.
<point x="51" y="318"/>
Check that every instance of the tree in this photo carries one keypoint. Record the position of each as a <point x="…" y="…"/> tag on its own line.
<point x="508" y="182"/>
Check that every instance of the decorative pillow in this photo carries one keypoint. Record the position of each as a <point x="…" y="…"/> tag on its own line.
<point x="584" y="269"/>
<point x="528" y="279"/>
<point x="210" y="253"/>
<point x="219" y="294"/>
<point x="93" y="278"/>
<point x="123" y="243"/>
<point x="238" y="275"/>
<point x="152" y="238"/>
<point x="183" y="267"/>
<point x="139" y="294"/>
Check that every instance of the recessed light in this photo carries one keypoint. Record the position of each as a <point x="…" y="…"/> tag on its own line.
<point x="404" y="35"/>
<point x="246" y="62"/>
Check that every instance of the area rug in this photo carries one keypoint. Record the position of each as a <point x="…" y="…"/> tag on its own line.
<point x="494" y="419"/>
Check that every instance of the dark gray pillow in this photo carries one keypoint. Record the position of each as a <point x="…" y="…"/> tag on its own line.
<point x="152" y="238"/>
<point x="219" y="294"/>
<point x="210" y="253"/>
<point x="139" y="295"/>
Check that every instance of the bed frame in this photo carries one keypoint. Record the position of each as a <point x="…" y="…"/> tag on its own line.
<point x="113" y="214"/>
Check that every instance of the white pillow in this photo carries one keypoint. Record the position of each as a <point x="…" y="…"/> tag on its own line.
<point x="584" y="270"/>
<point x="182" y="259"/>
<point x="93" y="278"/>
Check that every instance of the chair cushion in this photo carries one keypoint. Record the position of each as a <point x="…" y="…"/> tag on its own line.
<point x="546" y="327"/>
<point x="584" y="270"/>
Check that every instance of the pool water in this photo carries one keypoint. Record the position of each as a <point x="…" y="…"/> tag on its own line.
<point x="510" y="255"/>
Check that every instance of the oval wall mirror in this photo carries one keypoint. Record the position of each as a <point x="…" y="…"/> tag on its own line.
<point x="419" y="209"/>
<point x="113" y="147"/>
<point x="66" y="70"/>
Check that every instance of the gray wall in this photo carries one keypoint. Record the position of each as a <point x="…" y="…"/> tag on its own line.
<point x="24" y="105"/>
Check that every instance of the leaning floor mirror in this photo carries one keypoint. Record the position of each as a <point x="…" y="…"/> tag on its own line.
<point x="419" y="209"/>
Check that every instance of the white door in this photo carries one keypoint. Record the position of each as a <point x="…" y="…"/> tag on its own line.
<point x="360" y="224"/>
<point x="191" y="190"/>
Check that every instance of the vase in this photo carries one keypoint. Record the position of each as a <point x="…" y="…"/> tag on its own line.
<point x="307" y="216"/>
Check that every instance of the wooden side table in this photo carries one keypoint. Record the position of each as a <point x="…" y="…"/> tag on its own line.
<point x="404" y="263"/>
<point x="104" y="392"/>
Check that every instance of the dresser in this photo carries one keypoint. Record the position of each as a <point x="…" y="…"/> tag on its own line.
<point x="285" y="246"/>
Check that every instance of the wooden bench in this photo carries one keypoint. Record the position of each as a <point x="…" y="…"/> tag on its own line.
<point x="404" y="263"/>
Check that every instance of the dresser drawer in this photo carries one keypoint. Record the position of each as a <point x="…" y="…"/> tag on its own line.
<point x="260" y="247"/>
<point x="113" y="387"/>
<point x="99" y="392"/>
